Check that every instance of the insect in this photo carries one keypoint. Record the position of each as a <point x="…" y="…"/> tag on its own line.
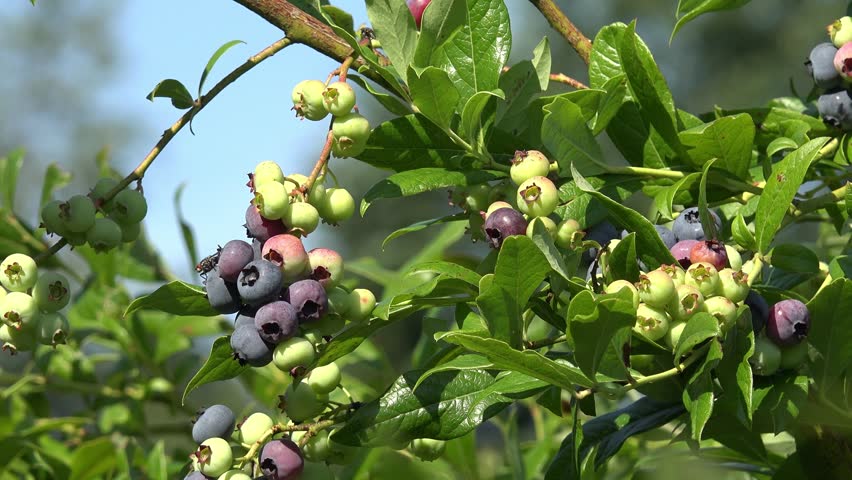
<point x="208" y="263"/>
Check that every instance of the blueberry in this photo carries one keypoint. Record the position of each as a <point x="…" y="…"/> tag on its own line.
<point x="213" y="457"/>
<point x="601" y="233"/>
<point x="249" y="348"/>
<point x="215" y="421"/>
<point x="195" y="475"/>
<point x="309" y="299"/>
<point x="681" y="252"/>
<point x="245" y="316"/>
<point x="257" y="248"/>
<point x="259" y="282"/>
<point x="687" y="226"/>
<point x="326" y="267"/>
<point x="711" y="251"/>
<point x="503" y="223"/>
<point x="276" y="321"/>
<point x="666" y="235"/>
<point x="835" y="108"/>
<point x="261" y="228"/>
<point x="788" y="322"/>
<point x="281" y="460"/>
<point x="233" y="257"/>
<point x="288" y="254"/>
<point x="759" y="310"/>
<point x="820" y="65"/>
<point x="223" y="296"/>
<point x="766" y="358"/>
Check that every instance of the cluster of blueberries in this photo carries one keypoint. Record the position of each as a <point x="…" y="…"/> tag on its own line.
<point x="30" y="310"/>
<point x="830" y="65"/>
<point x="314" y="100"/>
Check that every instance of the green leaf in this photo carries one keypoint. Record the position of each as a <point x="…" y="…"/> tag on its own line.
<point x="185" y="227"/>
<point x="93" y="458"/>
<point x="734" y="371"/>
<point x="665" y="198"/>
<point x="520" y="269"/>
<point x="610" y="103"/>
<point x="794" y="257"/>
<point x="688" y="10"/>
<point x="448" y="270"/>
<point x="10" y="167"/>
<point x="542" y="62"/>
<point x="462" y="362"/>
<point x="408" y="143"/>
<point x="54" y="178"/>
<point x="741" y="233"/>
<point x="213" y="59"/>
<point x="176" y="297"/>
<point x="707" y="221"/>
<point x="417" y="226"/>
<point x="622" y="260"/>
<point x="220" y="365"/>
<point x="606" y="329"/>
<point x="173" y="90"/>
<point x="698" y="395"/>
<point x="699" y="328"/>
<point x="528" y="362"/>
<point x="469" y="39"/>
<point x="652" y="251"/>
<point x="421" y="180"/>
<point x="728" y="139"/>
<point x="434" y="95"/>
<point x="779" y="145"/>
<point x="158" y="462"/>
<point x="544" y="240"/>
<point x="830" y="333"/>
<point x="781" y="187"/>
<point x="395" y="28"/>
<point x="604" y="61"/>
<point x="446" y="405"/>
<point x="339" y="19"/>
<point x="567" y="136"/>
<point x="840" y="267"/>
<point x="473" y="121"/>
<point x="609" y="432"/>
<point x="391" y="103"/>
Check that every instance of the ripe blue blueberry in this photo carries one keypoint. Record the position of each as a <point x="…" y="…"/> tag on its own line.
<point x="309" y="299"/>
<point x="820" y="65"/>
<point x="835" y="108"/>
<point x="233" y="257"/>
<point x="276" y="321"/>
<point x="214" y="421"/>
<point x="666" y="235"/>
<point x="687" y="225"/>
<point x="503" y="223"/>
<point x="223" y="296"/>
<point x="259" y="282"/>
<point x="788" y="323"/>
<point x="249" y="348"/>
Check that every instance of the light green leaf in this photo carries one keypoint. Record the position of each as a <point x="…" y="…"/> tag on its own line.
<point x="10" y="167"/>
<point x="473" y="120"/>
<point x="176" y="297"/>
<point x="831" y="333"/>
<point x="213" y="59"/>
<point x="688" y="10"/>
<point x="54" y="178"/>
<point x="395" y="28"/>
<point x="462" y="362"/>
<point x="665" y="198"/>
<point x="434" y="94"/>
<point x="391" y="103"/>
<point x="605" y="330"/>
<point x="741" y="233"/>
<point x="727" y="139"/>
<point x="93" y="458"/>
<point x="699" y="328"/>
<point x="173" y="90"/>
<point x="185" y="227"/>
<point x="417" y="226"/>
<point x="541" y="61"/>
<point x="698" y="395"/>
<point x="567" y="136"/>
<point x="448" y="270"/>
<point x="220" y="365"/>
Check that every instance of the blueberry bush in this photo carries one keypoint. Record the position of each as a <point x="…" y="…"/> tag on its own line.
<point x="635" y="304"/>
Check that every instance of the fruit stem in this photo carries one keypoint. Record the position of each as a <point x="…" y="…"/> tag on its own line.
<point x="821" y="201"/>
<point x="755" y="269"/>
<point x="562" y="78"/>
<point x="648" y="172"/>
<point x="545" y="342"/>
<point x="557" y="19"/>
<point x="139" y="172"/>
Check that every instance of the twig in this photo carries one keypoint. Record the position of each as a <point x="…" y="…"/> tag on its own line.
<point x="557" y="19"/>
<point x="562" y="78"/>
<point x="545" y="342"/>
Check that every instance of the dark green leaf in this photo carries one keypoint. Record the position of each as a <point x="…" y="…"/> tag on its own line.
<point x="698" y="396"/>
<point x="213" y="59"/>
<point x="727" y="139"/>
<point x="416" y="227"/>
<point x="699" y="328"/>
<point x="338" y="18"/>
<point x="446" y="405"/>
<point x="794" y="257"/>
<point x="622" y="260"/>
<point x="475" y="119"/>
<point x="395" y="28"/>
<point x="606" y="329"/>
<point x="175" y="297"/>
<point x="462" y="362"/>
<point x="93" y="459"/>
<point x="610" y="103"/>
<point x="543" y="239"/>
<point x="688" y="10"/>
<point x="840" y="267"/>
<point x="220" y="365"/>
<point x="54" y="178"/>
<point x="830" y="333"/>
<point x="567" y="136"/>
<point x="665" y="198"/>
<point x="781" y="187"/>
<point x="185" y="228"/>
<point x="413" y="182"/>
<point x="173" y="90"/>
<point x="434" y="95"/>
<point x="734" y="372"/>
<point x="520" y="86"/>
<point x="408" y="143"/>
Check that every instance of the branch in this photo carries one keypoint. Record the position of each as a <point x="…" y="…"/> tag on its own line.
<point x="582" y="45"/>
<point x="562" y="78"/>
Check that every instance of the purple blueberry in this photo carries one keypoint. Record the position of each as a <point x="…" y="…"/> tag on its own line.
<point x="195" y="475"/>
<point x="681" y="252"/>
<point x="233" y="257"/>
<point x="245" y="317"/>
<point x="215" y="421"/>
<point x="249" y="348"/>
<point x="224" y="297"/>
<point x="820" y="65"/>
<point x="687" y="226"/>
<point x="281" y="460"/>
<point x="835" y="108"/>
<point x="259" y="282"/>
<point x="261" y="228"/>
<point x="759" y="310"/>
<point x="503" y="223"/>
<point x="788" y="323"/>
<point x="710" y="251"/>
<point x="276" y="321"/>
<point x="309" y="299"/>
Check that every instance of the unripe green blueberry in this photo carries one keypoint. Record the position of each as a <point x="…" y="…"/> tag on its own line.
<point x="733" y="284"/>
<point x="51" y="217"/>
<point x="794" y="356"/>
<point x="130" y="207"/>
<point x="427" y="449"/>
<point x="18" y="272"/>
<point x="537" y="197"/>
<point x="528" y="164"/>
<point x="656" y="288"/>
<point x="213" y="457"/>
<point x="301" y="403"/>
<point x="840" y="31"/>
<point x="496" y="206"/>
<point x="338" y="98"/>
<point x="302" y="218"/>
<point x="253" y="428"/>
<point x="18" y="308"/>
<point x="618" y="285"/>
<point x="308" y="100"/>
<point x="272" y="200"/>
<point x="293" y="352"/>
<point x="3" y="292"/>
<point x="687" y="301"/>
<point x="651" y="322"/>
<point x="317" y="449"/>
<point x="102" y="187"/>
<point x="337" y="206"/>
<point x="350" y="132"/>
<point x="567" y="232"/>
<point x="52" y="329"/>
<point x="17" y="340"/>
<point x="549" y="225"/>
<point x="674" y="333"/>
<point x="130" y="232"/>
<point x="78" y="214"/>
<point x="723" y="309"/>
<point x="735" y="260"/>
<point x="361" y="304"/>
<point x="51" y="292"/>
<point x="74" y="239"/>
<point x="313" y="335"/>
<point x="338" y="301"/>
<point x="104" y="235"/>
<point x="324" y="379"/>
<point x="677" y="274"/>
<point x="704" y="277"/>
<point x="265" y="172"/>
<point x="234" y="475"/>
<point x="766" y="358"/>
<point x="476" y="198"/>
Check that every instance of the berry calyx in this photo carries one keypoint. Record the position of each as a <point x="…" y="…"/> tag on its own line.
<point x="338" y="98"/>
<point x="704" y="277"/>
<point x="528" y="164"/>
<point x="688" y="301"/>
<point x="537" y="197"/>
<point x="52" y="329"/>
<point x="18" y="272"/>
